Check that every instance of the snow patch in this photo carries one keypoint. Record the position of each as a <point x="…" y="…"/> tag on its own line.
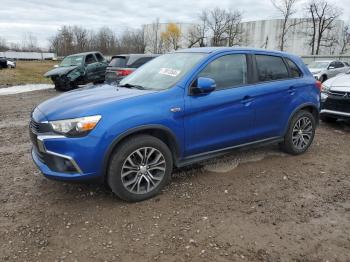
<point x="24" y="88"/>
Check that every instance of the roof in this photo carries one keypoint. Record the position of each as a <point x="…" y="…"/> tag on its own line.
<point x="223" y="49"/>
<point x="85" y="53"/>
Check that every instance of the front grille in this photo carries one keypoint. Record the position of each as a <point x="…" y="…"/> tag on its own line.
<point x="337" y="103"/>
<point x="339" y="93"/>
<point x="38" y="128"/>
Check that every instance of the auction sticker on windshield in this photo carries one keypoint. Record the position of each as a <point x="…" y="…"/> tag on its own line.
<point x="169" y="72"/>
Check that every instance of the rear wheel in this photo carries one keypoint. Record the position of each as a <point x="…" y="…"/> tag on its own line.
<point x="139" y="168"/>
<point x="300" y="134"/>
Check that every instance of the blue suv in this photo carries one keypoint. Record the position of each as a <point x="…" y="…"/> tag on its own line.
<point x="178" y="109"/>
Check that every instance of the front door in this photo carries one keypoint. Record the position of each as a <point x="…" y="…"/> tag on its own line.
<point x="224" y="117"/>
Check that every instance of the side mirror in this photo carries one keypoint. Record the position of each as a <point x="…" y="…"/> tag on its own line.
<point x="331" y="67"/>
<point x="55" y="66"/>
<point x="204" y="85"/>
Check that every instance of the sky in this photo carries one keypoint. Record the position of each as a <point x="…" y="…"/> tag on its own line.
<point x="42" y="18"/>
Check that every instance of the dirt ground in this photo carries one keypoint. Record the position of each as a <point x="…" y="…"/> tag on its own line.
<point x="255" y="205"/>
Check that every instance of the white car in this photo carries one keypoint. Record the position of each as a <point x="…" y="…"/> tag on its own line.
<point x="11" y="64"/>
<point x="335" y="98"/>
<point x="323" y="70"/>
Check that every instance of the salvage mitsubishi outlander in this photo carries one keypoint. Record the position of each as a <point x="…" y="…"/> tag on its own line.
<point x="178" y="109"/>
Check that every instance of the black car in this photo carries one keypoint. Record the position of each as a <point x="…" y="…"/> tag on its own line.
<point x="3" y="62"/>
<point x="123" y="65"/>
<point x="78" y="69"/>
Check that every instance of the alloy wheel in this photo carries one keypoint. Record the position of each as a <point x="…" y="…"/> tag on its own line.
<point x="143" y="170"/>
<point x="302" y="133"/>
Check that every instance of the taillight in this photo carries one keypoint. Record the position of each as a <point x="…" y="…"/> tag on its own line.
<point x="123" y="72"/>
<point x="318" y="84"/>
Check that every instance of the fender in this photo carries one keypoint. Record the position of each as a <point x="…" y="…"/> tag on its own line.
<point x="136" y="130"/>
<point x="298" y="109"/>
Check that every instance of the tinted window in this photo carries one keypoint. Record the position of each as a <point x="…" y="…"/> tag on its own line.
<point x="332" y="65"/>
<point x="139" y="62"/>
<point x="294" y="69"/>
<point x="270" y="68"/>
<point x="227" y="71"/>
<point x="99" y="57"/>
<point x="338" y="64"/>
<point x="90" y="59"/>
<point x="119" y="61"/>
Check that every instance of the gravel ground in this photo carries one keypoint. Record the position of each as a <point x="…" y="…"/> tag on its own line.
<point x="255" y="205"/>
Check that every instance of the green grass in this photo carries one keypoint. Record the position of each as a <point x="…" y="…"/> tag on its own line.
<point x="26" y="72"/>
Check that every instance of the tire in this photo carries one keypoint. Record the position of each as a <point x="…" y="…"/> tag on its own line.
<point x="323" y="78"/>
<point x="295" y="141"/>
<point x="64" y="84"/>
<point x="328" y="119"/>
<point x="126" y="172"/>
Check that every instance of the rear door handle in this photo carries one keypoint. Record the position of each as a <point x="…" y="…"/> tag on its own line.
<point x="247" y="100"/>
<point x="291" y="90"/>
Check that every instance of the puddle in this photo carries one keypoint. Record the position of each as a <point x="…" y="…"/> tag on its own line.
<point x="231" y="161"/>
<point x="23" y="88"/>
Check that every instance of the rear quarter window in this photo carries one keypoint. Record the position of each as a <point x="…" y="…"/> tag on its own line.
<point x="295" y="72"/>
<point x="270" y="68"/>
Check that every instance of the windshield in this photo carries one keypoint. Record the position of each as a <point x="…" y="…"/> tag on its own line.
<point x="163" y="72"/>
<point x="319" y="65"/>
<point x="72" y="60"/>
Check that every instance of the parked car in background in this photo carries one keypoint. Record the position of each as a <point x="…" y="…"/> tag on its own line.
<point x="3" y="62"/>
<point x="78" y="69"/>
<point x="11" y="63"/>
<point x="335" y="98"/>
<point x="123" y="65"/>
<point x="178" y="109"/>
<point x="323" y="70"/>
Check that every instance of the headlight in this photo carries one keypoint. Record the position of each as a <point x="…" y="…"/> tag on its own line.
<point x="75" y="127"/>
<point x="325" y="88"/>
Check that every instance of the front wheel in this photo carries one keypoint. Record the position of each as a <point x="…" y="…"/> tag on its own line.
<point x="139" y="168"/>
<point x="300" y="133"/>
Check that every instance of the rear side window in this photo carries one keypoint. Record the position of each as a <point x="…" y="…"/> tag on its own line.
<point x="99" y="57"/>
<point x="119" y="61"/>
<point x="338" y="64"/>
<point x="139" y="62"/>
<point x="294" y="69"/>
<point x="270" y="68"/>
<point x="227" y="71"/>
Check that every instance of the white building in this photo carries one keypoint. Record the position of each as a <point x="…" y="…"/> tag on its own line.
<point x="267" y="33"/>
<point x="28" y="55"/>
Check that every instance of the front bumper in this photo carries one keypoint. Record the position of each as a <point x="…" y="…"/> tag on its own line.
<point x="54" y="157"/>
<point x="335" y="114"/>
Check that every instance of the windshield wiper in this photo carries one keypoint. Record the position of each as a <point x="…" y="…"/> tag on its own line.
<point x="132" y="86"/>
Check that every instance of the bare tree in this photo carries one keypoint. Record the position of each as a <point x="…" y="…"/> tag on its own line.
<point x="234" y="29"/>
<point x="286" y="8"/>
<point x="152" y="37"/>
<point x="346" y="40"/>
<point x="322" y="15"/>
<point x="3" y="44"/>
<point x="29" y="43"/>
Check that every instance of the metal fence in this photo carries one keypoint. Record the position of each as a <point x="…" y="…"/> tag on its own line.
<point x="309" y="58"/>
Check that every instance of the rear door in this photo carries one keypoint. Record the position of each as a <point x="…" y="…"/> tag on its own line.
<point x="224" y="117"/>
<point x="273" y="93"/>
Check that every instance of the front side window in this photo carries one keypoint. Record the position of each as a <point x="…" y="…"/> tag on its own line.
<point x="99" y="57"/>
<point x="90" y="59"/>
<point x="227" y="71"/>
<point x="270" y="68"/>
<point x="163" y="72"/>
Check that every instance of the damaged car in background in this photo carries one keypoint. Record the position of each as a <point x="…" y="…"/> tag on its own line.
<point x="78" y="69"/>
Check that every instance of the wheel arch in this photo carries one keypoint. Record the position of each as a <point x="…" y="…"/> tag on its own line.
<point x="308" y="107"/>
<point x="161" y="132"/>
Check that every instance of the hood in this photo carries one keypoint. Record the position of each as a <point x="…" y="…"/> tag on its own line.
<point x="60" y="71"/>
<point x="315" y="70"/>
<point x="339" y="83"/>
<point x="86" y="101"/>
